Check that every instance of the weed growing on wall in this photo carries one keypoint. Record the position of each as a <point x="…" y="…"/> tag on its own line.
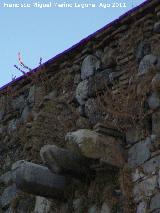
<point x="36" y="77"/>
<point x="127" y="106"/>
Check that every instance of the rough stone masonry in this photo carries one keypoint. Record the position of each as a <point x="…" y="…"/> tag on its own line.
<point x="81" y="133"/>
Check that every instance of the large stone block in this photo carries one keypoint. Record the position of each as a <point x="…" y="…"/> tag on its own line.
<point x="151" y="166"/>
<point x="155" y="202"/>
<point x="37" y="179"/>
<point x="9" y="194"/>
<point x="145" y="188"/>
<point x="89" y="66"/>
<point x="42" y="205"/>
<point x="154" y="101"/>
<point x="139" y="153"/>
<point x="82" y="92"/>
<point x="96" y="146"/>
<point x="63" y="161"/>
<point x="142" y="207"/>
<point x="147" y="63"/>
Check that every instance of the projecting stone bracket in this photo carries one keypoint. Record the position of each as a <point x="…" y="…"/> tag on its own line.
<point x="38" y="180"/>
<point x="67" y="162"/>
<point x="34" y="179"/>
<point x="106" y="146"/>
<point x="84" y="149"/>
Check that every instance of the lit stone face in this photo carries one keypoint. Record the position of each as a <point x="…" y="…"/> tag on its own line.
<point x="154" y="101"/>
<point x="89" y="66"/>
<point x="36" y="179"/>
<point x="139" y="153"/>
<point x="82" y="92"/>
<point x="147" y="63"/>
<point x="157" y="27"/>
<point x="93" y="145"/>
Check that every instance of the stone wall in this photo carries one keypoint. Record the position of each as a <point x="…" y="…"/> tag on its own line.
<point x="86" y="125"/>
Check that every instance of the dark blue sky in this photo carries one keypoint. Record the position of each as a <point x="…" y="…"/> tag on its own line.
<point x="46" y="32"/>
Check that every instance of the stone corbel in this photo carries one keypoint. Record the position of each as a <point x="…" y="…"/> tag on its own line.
<point x="84" y="148"/>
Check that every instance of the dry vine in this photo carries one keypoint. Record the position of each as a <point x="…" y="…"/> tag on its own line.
<point x="38" y="76"/>
<point x="127" y="107"/>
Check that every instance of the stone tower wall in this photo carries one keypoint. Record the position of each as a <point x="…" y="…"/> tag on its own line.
<point x="108" y="84"/>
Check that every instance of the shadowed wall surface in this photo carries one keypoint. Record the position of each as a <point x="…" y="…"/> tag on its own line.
<point x="97" y="103"/>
